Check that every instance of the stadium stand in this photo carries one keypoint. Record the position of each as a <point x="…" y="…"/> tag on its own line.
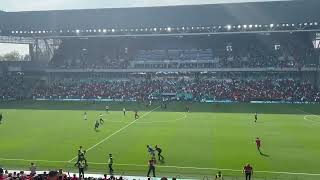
<point x="228" y="90"/>
<point x="175" y="54"/>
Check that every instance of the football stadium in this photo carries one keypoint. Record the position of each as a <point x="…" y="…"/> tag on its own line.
<point x="212" y="91"/>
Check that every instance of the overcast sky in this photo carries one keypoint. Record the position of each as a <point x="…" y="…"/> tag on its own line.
<point x="30" y="5"/>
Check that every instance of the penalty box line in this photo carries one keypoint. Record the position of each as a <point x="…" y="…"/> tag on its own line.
<point x="116" y="132"/>
<point x="175" y="167"/>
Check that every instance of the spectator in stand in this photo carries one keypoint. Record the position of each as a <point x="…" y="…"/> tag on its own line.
<point x="2" y="176"/>
<point x="74" y="177"/>
<point x="61" y="175"/>
<point x="287" y="90"/>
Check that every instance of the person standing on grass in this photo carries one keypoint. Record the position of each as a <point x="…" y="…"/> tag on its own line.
<point x="101" y="119"/>
<point x="219" y="176"/>
<point x="85" y="116"/>
<point x="248" y="171"/>
<point x="187" y="108"/>
<point x="152" y="167"/>
<point x="255" y="117"/>
<point x="81" y="156"/>
<point x="151" y="151"/>
<point x="258" y="144"/>
<point x="1" y="117"/>
<point x="96" y="125"/>
<point x="81" y="166"/>
<point x="124" y="111"/>
<point x="33" y="169"/>
<point x="110" y="163"/>
<point x="159" y="150"/>
<point x="136" y="116"/>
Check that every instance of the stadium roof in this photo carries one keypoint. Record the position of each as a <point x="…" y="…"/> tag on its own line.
<point x="172" y="16"/>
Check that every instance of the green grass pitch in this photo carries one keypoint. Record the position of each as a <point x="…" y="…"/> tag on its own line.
<point x="194" y="144"/>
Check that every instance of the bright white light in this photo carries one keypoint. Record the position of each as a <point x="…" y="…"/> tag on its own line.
<point x="228" y="27"/>
<point x="182" y="28"/>
<point x="99" y="30"/>
<point x="250" y="26"/>
<point x="239" y="26"/>
<point x="271" y="25"/>
<point x="154" y="29"/>
<point x="315" y="23"/>
<point x="169" y="29"/>
<point x="77" y="31"/>
<point x="245" y="26"/>
<point x="12" y="32"/>
<point x="104" y="30"/>
<point x="292" y="25"/>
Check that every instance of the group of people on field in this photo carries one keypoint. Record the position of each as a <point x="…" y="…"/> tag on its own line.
<point x="82" y="163"/>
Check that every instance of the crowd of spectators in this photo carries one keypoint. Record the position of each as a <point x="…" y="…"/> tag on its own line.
<point x="11" y="86"/>
<point x="50" y="175"/>
<point x="235" y="90"/>
<point x="55" y="175"/>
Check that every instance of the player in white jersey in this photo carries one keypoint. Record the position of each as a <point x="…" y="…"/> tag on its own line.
<point x="124" y="111"/>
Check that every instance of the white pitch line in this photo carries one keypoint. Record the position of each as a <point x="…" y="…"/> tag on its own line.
<point x="151" y="122"/>
<point x="176" y="167"/>
<point x="169" y="121"/>
<point x="32" y="160"/>
<point x="124" y="127"/>
<point x="309" y="114"/>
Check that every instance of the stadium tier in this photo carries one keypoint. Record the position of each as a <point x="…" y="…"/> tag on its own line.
<point x="223" y="92"/>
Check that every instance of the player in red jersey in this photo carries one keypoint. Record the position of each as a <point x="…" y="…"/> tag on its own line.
<point x="258" y="143"/>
